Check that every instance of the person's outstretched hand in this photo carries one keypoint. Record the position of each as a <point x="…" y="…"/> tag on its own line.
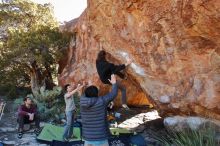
<point x="79" y="86"/>
<point x="113" y="79"/>
<point x="84" y="83"/>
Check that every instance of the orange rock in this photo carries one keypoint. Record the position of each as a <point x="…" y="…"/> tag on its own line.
<point x="175" y="46"/>
<point x="139" y="99"/>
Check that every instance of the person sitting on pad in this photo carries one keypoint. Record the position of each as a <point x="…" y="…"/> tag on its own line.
<point x="27" y="113"/>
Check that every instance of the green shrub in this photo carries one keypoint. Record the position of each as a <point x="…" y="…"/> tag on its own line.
<point x="188" y="137"/>
<point x="8" y="90"/>
<point x="48" y="95"/>
<point x="49" y="104"/>
<point x="17" y="103"/>
<point x="13" y="92"/>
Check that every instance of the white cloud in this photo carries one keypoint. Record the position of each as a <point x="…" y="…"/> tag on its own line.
<point x="66" y="10"/>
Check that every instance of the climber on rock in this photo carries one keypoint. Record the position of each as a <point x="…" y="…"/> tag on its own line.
<point x="105" y="69"/>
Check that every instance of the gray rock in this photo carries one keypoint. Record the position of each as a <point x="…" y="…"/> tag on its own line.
<point x="179" y="123"/>
<point x="217" y="138"/>
<point x="9" y="142"/>
<point x="7" y="129"/>
<point x="164" y="99"/>
<point x="6" y="138"/>
<point x="42" y="124"/>
<point x="43" y="145"/>
<point x="195" y="122"/>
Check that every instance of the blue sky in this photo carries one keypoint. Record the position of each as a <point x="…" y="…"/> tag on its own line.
<point x="66" y="10"/>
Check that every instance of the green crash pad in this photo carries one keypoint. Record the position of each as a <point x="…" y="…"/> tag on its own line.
<point x="52" y="132"/>
<point x="118" y="131"/>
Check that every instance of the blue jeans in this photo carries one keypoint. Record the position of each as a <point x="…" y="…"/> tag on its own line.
<point x="123" y="93"/>
<point x="68" y="130"/>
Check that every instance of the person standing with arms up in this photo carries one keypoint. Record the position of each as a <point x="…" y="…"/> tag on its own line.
<point x="70" y="108"/>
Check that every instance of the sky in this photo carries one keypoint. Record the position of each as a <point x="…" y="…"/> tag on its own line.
<point x="66" y="10"/>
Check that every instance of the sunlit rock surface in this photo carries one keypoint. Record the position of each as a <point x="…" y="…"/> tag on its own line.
<point x="174" y="44"/>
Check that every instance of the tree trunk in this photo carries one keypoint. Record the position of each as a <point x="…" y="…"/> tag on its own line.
<point x="48" y="78"/>
<point x="36" y="79"/>
<point x="40" y="80"/>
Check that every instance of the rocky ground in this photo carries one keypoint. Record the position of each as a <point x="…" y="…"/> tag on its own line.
<point x="8" y="130"/>
<point x="142" y="120"/>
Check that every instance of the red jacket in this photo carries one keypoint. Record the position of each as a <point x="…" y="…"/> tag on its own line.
<point x="23" y="110"/>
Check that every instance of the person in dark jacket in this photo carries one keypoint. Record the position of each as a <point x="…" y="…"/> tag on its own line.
<point x="105" y="69"/>
<point x="27" y="113"/>
<point x="95" y="130"/>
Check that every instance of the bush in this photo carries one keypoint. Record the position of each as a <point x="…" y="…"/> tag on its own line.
<point x="188" y="137"/>
<point x="13" y="92"/>
<point x="49" y="104"/>
<point x="8" y="91"/>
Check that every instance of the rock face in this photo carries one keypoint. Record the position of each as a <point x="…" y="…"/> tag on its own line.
<point x="174" y="44"/>
<point x="179" y="123"/>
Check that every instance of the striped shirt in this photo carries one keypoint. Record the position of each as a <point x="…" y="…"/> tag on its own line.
<point x="94" y="115"/>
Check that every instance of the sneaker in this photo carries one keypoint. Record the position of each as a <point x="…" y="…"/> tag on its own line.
<point x="125" y="106"/>
<point x="65" y="139"/>
<point x="111" y="104"/>
<point x="20" y="134"/>
<point x="37" y="131"/>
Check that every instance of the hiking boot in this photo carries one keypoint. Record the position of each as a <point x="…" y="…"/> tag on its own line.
<point x="125" y="106"/>
<point x="20" y="134"/>
<point x="37" y="131"/>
